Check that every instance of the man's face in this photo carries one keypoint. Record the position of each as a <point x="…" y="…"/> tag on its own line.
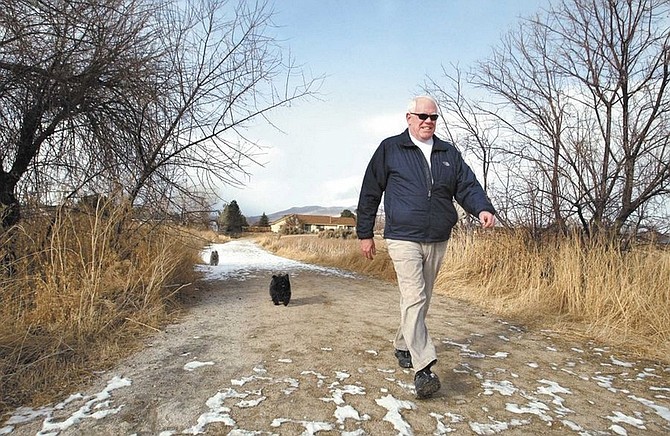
<point x="422" y="129"/>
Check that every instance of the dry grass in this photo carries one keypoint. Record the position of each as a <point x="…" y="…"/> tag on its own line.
<point x="593" y="291"/>
<point x="81" y="294"/>
<point x="341" y="253"/>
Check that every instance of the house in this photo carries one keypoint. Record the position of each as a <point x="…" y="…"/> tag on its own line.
<point x="311" y="223"/>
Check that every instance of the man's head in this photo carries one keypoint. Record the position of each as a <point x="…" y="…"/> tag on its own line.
<point x="422" y="107"/>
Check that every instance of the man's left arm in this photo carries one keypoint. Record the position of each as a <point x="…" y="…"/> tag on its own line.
<point x="472" y="197"/>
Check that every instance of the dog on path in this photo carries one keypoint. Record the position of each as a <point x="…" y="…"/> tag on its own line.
<point x="280" y="289"/>
<point x="214" y="258"/>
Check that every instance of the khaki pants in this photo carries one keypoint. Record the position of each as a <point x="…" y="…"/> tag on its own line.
<point x="416" y="265"/>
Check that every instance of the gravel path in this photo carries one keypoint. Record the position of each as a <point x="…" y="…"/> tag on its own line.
<point x="238" y="365"/>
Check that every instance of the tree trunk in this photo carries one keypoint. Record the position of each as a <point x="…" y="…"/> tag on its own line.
<point x="10" y="210"/>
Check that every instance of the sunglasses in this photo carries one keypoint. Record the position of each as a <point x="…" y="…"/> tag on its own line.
<point x="424" y="117"/>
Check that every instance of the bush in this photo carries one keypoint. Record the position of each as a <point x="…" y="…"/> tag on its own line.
<point x="83" y="287"/>
<point x="339" y="233"/>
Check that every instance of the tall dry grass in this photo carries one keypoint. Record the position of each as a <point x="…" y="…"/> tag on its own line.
<point x="340" y="253"/>
<point x="593" y="290"/>
<point x="83" y="288"/>
<point x="588" y="288"/>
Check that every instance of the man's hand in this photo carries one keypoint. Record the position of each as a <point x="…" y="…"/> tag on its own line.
<point x="487" y="219"/>
<point x="368" y="248"/>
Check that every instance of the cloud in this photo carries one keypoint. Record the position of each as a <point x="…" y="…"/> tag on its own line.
<point x="383" y="125"/>
<point x="316" y="162"/>
<point x="342" y="191"/>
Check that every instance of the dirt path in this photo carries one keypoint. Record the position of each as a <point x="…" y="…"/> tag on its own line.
<point x="238" y="365"/>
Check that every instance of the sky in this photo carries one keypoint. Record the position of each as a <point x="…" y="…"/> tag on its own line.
<point x="374" y="55"/>
<point x="560" y="392"/>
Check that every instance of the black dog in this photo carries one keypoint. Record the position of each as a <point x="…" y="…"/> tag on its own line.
<point x="280" y="289"/>
<point x="214" y="258"/>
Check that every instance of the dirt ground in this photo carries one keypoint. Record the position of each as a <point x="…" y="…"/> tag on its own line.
<point x="236" y="364"/>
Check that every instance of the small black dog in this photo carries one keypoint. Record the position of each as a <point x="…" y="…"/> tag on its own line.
<point x="280" y="289"/>
<point x="214" y="258"/>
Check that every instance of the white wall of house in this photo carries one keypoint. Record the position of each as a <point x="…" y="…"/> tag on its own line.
<point x="308" y="227"/>
<point x="276" y="226"/>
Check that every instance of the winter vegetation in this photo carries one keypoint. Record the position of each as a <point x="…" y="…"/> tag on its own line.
<point x="118" y="119"/>
<point x="79" y="295"/>
<point x="568" y="119"/>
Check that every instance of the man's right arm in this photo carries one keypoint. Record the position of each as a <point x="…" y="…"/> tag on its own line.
<point x="372" y="188"/>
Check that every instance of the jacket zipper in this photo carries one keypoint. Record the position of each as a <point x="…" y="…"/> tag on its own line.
<point x="426" y="170"/>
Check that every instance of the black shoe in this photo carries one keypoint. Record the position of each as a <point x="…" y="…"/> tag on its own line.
<point x="426" y="383"/>
<point x="404" y="358"/>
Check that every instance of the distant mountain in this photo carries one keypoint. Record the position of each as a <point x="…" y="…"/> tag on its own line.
<point x="303" y="210"/>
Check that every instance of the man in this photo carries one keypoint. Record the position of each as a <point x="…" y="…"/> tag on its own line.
<point x="420" y="175"/>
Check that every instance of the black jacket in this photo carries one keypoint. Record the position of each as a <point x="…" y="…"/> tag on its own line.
<point x="416" y="209"/>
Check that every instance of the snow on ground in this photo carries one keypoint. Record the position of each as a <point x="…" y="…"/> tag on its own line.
<point x="243" y="259"/>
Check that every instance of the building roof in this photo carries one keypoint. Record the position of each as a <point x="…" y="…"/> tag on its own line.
<point x="321" y="220"/>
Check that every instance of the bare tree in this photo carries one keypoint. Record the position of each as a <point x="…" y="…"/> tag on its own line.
<point x="222" y="73"/>
<point x="583" y="92"/>
<point x="470" y="127"/>
<point x="145" y="97"/>
<point x="467" y="125"/>
<point x="59" y="63"/>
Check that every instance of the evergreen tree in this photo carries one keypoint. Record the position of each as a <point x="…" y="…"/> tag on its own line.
<point x="264" y="221"/>
<point x="231" y="219"/>
<point x="346" y="213"/>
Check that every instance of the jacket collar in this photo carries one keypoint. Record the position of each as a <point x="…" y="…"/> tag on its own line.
<point x="438" y="144"/>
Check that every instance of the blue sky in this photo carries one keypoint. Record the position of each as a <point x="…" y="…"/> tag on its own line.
<point x="375" y="56"/>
